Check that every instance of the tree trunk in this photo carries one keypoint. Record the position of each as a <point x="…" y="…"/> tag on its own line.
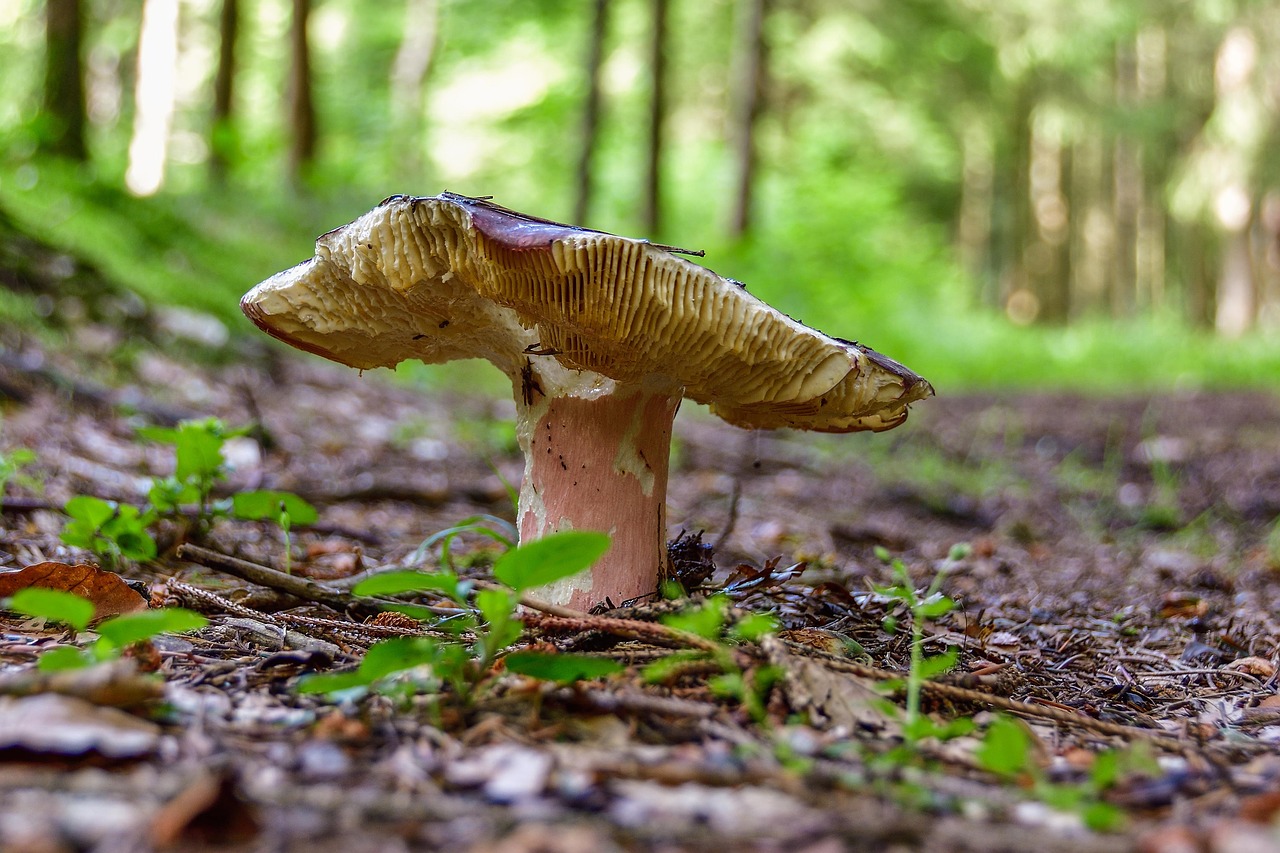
<point x="591" y="111"/>
<point x="1127" y="198"/>
<point x="408" y="80"/>
<point x="222" y="134"/>
<point x="302" y="111"/>
<point x="652" y="205"/>
<point x="64" y="104"/>
<point x="155" y="97"/>
<point x="749" y="94"/>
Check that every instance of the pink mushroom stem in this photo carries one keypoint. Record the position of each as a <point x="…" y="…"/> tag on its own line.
<point x="596" y="459"/>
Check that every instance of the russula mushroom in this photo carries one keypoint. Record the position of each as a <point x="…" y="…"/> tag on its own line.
<point x="601" y="336"/>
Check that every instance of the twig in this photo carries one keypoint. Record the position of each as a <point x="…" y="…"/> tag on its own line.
<point x="1013" y="706"/>
<point x="630" y="628"/>
<point x="355" y="632"/>
<point x="268" y="577"/>
<point x="626" y="700"/>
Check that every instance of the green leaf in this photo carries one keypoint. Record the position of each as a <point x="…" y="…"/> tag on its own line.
<point x="730" y="685"/>
<point x="267" y="503"/>
<point x="934" y="607"/>
<point x="1106" y="769"/>
<point x="563" y="669"/>
<point x="198" y="450"/>
<point x="705" y="621"/>
<point x="664" y="668"/>
<point x="498" y="606"/>
<point x="552" y="558"/>
<point x="755" y="626"/>
<point x="63" y="658"/>
<point x="382" y="660"/>
<point x="1103" y="817"/>
<point x="53" y="604"/>
<point x="94" y="512"/>
<point x="397" y="583"/>
<point x="396" y="655"/>
<point x="123" y="631"/>
<point x="938" y="664"/>
<point x="331" y="682"/>
<point x="1006" y="748"/>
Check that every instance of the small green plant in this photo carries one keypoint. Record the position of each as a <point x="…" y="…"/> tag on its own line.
<point x="114" y="531"/>
<point x="109" y="529"/>
<point x="114" y="634"/>
<point x="710" y="621"/>
<point x="492" y="527"/>
<point x="1006" y="751"/>
<point x="11" y="470"/>
<point x="931" y="604"/>
<point x="486" y="625"/>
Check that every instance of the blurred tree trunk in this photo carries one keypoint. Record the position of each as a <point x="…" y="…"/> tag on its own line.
<point x="408" y="82"/>
<point x="155" y="96"/>
<point x="748" y="90"/>
<point x="222" y="134"/>
<point x="64" y="104"/>
<point x="1237" y="302"/>
<point x="652" y="204"/>
<point x="1127" y="175"/>
<point x="976" y="211"/>
<point x="590" y="111"/>
<point x="302" y="111"/>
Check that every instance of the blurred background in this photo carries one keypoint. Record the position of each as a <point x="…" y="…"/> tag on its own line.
<point x="995" y="192"/>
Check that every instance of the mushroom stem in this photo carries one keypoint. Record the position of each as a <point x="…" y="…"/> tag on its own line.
<point x="596" y="457"/>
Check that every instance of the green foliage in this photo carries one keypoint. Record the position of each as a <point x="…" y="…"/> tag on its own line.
<point x="489" y="614"/>
<point x="1006" y="750"/>
<point x="12" y="465"/>
<point x="114" y="634"/>
<point x="552" y="558"/>
<point x="114" y="531"/>
<point x="383" y="660"/>
<point x="108" y="529"/>
<point x="489" y="526"/>
<point x="74" y="610"/>
<point x="932" y="604"/>
<point x="272" y="505"/>
<point x="560" y="668"/>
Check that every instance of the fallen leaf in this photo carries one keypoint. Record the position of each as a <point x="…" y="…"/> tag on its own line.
<point x="1261" y="667"/>
<point x="1182" y="605"/>
<point x="830" y="698"/>
<point x="51" y="723"/>
<point x="110" y="595"/>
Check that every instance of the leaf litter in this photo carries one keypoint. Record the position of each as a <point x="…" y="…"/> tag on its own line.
<point x="1117" y="598"/>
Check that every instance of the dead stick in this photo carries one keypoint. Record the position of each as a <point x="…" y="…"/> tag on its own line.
<point x="632" y="628"/>
<point x="268" y="577"/>
<point x="1013" y="706"/>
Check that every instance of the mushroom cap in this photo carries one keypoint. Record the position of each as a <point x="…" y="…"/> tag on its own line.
<point x="451" y="277"/>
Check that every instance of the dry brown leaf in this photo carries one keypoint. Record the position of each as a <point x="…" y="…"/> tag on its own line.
<point x="830" y="698"/>
<point x="110" y="595"/>
<point x="1261" y="667"/>
<point x="1182" y="605"/>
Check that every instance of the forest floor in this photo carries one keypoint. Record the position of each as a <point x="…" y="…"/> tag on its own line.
<point x="1117" y="596"/>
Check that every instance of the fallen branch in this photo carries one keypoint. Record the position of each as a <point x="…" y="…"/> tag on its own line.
<point x="652" y="632"/>
<point x="264" y="576"/>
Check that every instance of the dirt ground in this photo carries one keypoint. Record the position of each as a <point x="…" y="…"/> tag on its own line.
<point x="1122" y="571"/>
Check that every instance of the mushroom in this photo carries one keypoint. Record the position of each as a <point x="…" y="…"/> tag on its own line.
<point x="601" y="336"/>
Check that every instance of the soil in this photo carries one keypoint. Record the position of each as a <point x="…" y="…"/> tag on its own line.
<point x="1119" y="567"/>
